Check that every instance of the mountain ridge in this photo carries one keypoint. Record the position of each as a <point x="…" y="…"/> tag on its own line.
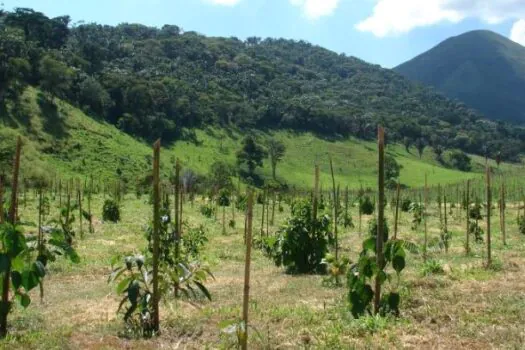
<point x="481" y="68"/>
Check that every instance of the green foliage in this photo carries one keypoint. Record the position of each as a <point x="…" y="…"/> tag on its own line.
<point x="459" y="64"/>
<point x="418" y="212"/>
<point x="476" y="231"/>
<point x="276" y="151"/>
<point x="149" y="77"/>
<point x="392" y="168"/>
<point x="224" y="198"/>
<point x="111" y="211"/>
<point x="366" y="270"/>
<point x="251" y="154"/>
<point x="372" y="228"/>
<point x="405" y="205"/>
<point x="193" y="241"/>
<point x="220" y="174"/>
<point x="366" y="206"/>
<point x="24" y="273"/>
<point x="459" y="160"/>
<point x="301" y="243"/>
<point x="56" y="76"/>
<point x="207" y="210"/>
<point x="432" y="267"/>
<point x="335" y="269"/>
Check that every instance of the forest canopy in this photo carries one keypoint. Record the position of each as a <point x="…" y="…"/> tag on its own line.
<point x="155" y="82"/>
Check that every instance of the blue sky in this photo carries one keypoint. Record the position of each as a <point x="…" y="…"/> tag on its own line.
<point x="385" y="32"/>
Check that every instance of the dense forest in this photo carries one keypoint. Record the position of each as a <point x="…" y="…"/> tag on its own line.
<point x="153" y="82"/>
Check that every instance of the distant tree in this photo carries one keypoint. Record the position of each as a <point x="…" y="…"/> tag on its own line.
<point x="420" y="145"/>
<point x="251" y="154"/>
<point x="220" y="175"/>
<point x="55" y="76"/>
<point x="392" y="168"/>
<point x="276" y="151"/>
<point x="460" y="160"/>
<point x="438" y="151"/>
<point x="92" y="95"/>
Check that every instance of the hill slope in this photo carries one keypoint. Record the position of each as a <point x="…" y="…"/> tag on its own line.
<point x="481" y="68"/>
<point x="152" y="82"/>
<point x="69" y="144"/>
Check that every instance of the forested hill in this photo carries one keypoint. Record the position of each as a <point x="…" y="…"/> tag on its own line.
<point x="157" y="82"/>
<point x="481" y="68"/>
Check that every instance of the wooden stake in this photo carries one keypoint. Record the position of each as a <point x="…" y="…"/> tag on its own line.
<point x="246" y="295"/>
<point x="489" y="210"/>
<point x="156" y="233"/>
<point x="380" y="214"/>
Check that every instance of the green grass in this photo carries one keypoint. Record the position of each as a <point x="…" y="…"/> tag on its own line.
<point x="70" y="144"/>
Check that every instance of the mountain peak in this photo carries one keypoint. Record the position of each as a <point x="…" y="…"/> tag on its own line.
<point x="481" y="68"/>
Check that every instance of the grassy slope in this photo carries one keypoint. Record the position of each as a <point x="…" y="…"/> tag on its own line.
<point x="82" y="146"/>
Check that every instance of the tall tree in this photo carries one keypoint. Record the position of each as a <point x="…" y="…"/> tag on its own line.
<point x="276" y="151"/>
<point x="251" y="154"/>
<point x="56" y="76"/>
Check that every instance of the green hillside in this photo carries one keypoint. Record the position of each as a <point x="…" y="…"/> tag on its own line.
<point x="481" y="68"/>
<point x="70" y="144"/>
<point x="155" y="82"/>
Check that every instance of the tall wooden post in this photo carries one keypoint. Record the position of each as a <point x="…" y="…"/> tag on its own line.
<point x="156" y="233"/>
<point x="246" y="294"/>
<point x="380" y="214"/>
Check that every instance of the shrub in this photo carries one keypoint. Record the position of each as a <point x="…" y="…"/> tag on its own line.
<point x="111" y="211"/>
<point x="301" y="244"/>
<point x="432" y="267"/>
<point x="366" y="206"/>
<point x="477" y="231"/>
<point x="207" y="210"/>
<point x="372" y="228"/>
<point x="405" y="205"/>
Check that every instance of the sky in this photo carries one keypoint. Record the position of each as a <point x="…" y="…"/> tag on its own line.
<point x="384" y="32"/>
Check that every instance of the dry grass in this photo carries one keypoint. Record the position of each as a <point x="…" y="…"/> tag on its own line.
<point x="467" y="307"/>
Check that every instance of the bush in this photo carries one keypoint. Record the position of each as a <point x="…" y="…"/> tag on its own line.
<point x="111" y="211"/>
<point x="301" y="244"/>
<point x="460" y="160"/>
<point x="432" y="267"/>
<point x="366" y="206"/>
<point x="405" y="205"/>
<point x="372" y="229"/>
<point x="207" y="210"/>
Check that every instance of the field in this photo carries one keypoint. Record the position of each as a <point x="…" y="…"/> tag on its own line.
<point x="464" y="306"/>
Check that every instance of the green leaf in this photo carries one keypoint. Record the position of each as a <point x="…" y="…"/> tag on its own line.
<point x="30" y="280"/>
<point x="123" y="285"/>
<point x="24" y="300"/>
<point x="14" y="241"/>
<point x="398" y="263"/>
<point x="369" y="244"/>
<point x="39" y="268"/>
<point x="203" y="289"/>
<point x="133" y="291"/>
<point x="16" y="279"/>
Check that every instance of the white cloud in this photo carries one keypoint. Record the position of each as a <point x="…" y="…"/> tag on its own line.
<point x="224" y="2"/>
<point x="393" y="17"/>
<point x="314" y="9"/>
<point x="517" y="33"/>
